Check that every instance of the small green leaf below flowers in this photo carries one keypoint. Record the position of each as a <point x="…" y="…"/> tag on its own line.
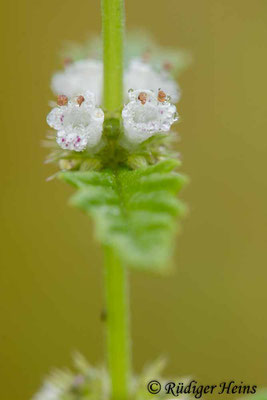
<point x="135" y="211"/>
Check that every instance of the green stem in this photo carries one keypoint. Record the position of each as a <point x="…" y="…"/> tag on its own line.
<point x="112" y="31"/>
<point x="117" y="325"/>
<point x="115" y="274"/>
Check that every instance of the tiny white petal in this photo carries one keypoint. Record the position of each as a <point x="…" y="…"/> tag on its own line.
<point x="55" y="117"/>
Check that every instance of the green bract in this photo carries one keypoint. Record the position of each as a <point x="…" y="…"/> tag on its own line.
<point x="134" y="210"/>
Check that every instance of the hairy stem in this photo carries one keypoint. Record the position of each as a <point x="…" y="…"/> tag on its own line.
<point x="117" y="325"/>
<point x="112" y="31"/>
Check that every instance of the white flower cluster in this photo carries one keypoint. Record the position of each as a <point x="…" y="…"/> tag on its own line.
<point x="87" y="75"/>
<point x="78" y="77"/>
<point x="48" y="392"/>
<point x="79" y="123"/>
<point x="147" y="113"/>
<point x="140" y="74"/>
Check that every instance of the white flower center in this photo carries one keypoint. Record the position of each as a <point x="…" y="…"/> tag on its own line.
<point x="145" y="113"/>
<point x="76" y="117"/>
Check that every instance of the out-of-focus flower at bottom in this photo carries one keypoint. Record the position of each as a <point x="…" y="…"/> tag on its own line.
<point x="48" y="392"/>
<point x="89" y="383"/>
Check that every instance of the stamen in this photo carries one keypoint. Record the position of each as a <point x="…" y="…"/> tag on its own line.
<point x="142" y="97"/>
<point x="146" y="55"/>
<point x="62" y="100"/>
<point x="67" y="61"/>
<point x="80" y="100"/>
<point x="161" y="96"/>
<point x="167" y="66"/>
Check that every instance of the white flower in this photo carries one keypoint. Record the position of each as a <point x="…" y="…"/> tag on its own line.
<point x="141" y="75"/>
<point x="78" y="122"/>
<point x="147" y="114"/>
<point x="78" y="77"/>
<point x="48" y="392"/>
<point x="87" y="74"/>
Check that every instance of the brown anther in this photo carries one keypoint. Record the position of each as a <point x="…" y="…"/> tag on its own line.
<point x="167" y="66"/>
<point x="62" y="100"/>
<point x="67" y="61"/>
<point x="146" y="55"/>
<point x="142" y="97"/>
<point x="161" y="96"/>
<point x="80" y="100"/>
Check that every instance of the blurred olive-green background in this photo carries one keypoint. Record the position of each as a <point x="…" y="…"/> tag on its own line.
<point x="210" y="316"/>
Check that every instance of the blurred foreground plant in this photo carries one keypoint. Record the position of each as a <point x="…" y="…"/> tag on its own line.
<point x="86" y="382"/>
<point x="119" y="158"/>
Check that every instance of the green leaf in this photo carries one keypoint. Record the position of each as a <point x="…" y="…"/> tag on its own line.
<point x="135" y="212"/>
